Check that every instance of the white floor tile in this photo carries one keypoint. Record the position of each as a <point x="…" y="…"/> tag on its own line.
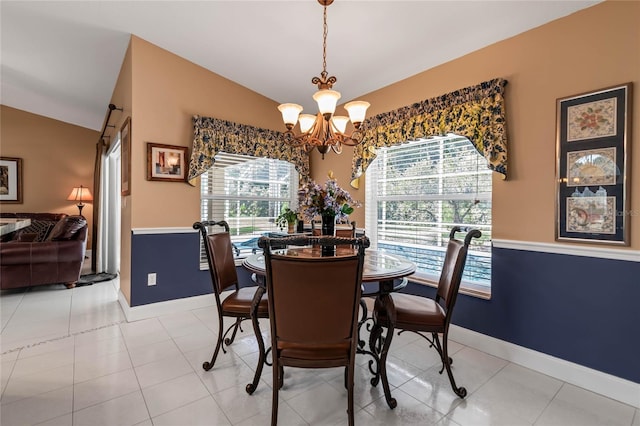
<point x="125" y="410"/>
<point x="45" y="361"/>
<point x="577" y="406"/>
<point x="204" y="411"/>
<point x="173" y="394"/>
<point x="408" y="412"/>
<point x="141" y="355"/>
<point x="321" y="404"/>
<point x="37" y="409"/>
<point x="29" y="385"/>
<point x="64" y="420"/>
<point x="104" y="388"/>
<point x="160" y="371"/>
<point x="87" y="368"/>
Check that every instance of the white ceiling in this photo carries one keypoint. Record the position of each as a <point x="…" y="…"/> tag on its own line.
<point x="61" y="59"/>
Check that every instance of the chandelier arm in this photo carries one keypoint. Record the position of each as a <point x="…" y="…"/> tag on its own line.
<point x="337" y="148"/>
<point x="354" y="139"/>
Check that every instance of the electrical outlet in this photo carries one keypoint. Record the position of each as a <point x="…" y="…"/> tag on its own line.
<point x="151" y="279"/>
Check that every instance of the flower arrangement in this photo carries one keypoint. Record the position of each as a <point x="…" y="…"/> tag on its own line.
<point x="314" y="200"/>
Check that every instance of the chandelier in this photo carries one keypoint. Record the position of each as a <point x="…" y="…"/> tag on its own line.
<point x="325" y="130"/>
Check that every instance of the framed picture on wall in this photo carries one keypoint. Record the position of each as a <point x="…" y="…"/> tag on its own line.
<point x="166" y="162"/>
<point x="10" y="180"/>
<point x="125" y="144"/>
<point x="593" y="150"/>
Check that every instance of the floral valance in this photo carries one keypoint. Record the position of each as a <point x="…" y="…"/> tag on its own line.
<point x="476" y="112"/>
<point x="211" y="135"/>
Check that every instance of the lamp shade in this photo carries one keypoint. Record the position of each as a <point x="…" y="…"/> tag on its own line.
<point x="327" y="100"/>
<point x="340" y="122"/>
<point x="290" y="113"/>
<point x="80" y="193"/>
<point x="306" y="122"/>
<point x="357" y="110"/>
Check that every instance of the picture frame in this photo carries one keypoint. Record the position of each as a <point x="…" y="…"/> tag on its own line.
<point x="125" y="157"/>
<point x="166" y="162"/>
<point x="10" y="180"/>
<point x="592" y="166"/>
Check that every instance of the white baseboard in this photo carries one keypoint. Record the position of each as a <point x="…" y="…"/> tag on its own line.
<point x="152" y="310"/>
<point x="596" y="381"/>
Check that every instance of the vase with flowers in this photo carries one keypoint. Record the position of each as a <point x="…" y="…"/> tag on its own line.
<point x="330" y="202"/>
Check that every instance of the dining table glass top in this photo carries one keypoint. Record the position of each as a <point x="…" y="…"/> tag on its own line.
<point x="378" y="265"/>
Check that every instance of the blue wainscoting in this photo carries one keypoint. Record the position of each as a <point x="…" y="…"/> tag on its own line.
<point x="581" y="309"/>
<point x="174" y="257"/>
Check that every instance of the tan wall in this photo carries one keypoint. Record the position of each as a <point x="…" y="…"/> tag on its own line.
<point x="56" y="157"/>
<point x="167" y="92"/>
<point x="592" y="49"/>
<point x="161" y="92"/>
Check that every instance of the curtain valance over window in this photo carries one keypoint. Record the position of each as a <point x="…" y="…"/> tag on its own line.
<point x="211" y="135"/>
<point x="476" y="112"/>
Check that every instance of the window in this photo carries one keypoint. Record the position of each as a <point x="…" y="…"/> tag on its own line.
<point x="415" y="194"/>
<point x="249" y="193"/>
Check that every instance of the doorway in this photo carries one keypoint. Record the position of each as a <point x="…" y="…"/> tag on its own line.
<point x="108" y="257"/>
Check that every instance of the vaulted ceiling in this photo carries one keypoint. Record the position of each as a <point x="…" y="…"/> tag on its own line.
<point x="61" y="59"/>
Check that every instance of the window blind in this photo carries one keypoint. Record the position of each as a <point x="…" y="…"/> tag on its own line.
<point x="249" y="193"/>
<point x="416" y="192"/>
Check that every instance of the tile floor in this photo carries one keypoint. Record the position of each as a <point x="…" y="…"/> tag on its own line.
<point x="70" y="358"/>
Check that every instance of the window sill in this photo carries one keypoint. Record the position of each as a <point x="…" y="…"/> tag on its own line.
<point x="468" y="289"/>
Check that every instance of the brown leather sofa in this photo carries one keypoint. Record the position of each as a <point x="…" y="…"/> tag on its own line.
<point x="50" y="251"/>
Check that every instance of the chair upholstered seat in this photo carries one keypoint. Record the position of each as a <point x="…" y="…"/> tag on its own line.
<point x="415" y="313"/>
<point x="319" y="351"/>
<point x="239" y="302"/>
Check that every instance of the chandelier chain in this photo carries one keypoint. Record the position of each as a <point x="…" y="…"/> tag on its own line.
<point x="325" y="32"/>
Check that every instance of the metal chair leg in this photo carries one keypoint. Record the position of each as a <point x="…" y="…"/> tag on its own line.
<point x="447" y="361"/>
<point x="391" y="402"/>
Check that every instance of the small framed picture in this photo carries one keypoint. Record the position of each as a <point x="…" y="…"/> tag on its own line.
<point x="166" y="162"/>
<point x="593" y="151"/>
<point x="10" y="180"/>
<point x="125" y="137"/>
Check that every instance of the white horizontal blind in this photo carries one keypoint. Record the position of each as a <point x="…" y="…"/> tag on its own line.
<point x="249" y="193"/>
<point x="415" y="194"/>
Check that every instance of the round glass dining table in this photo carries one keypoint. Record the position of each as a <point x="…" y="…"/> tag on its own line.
<point x="379" y="266"/>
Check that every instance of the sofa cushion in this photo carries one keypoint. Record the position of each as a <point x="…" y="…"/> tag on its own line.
<point x="67" y="228"/>
<point x="41" y="229"/>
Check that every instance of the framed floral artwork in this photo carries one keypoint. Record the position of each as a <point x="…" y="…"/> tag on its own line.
<point x="10" y="180"/>
<point x="593" y="150"/>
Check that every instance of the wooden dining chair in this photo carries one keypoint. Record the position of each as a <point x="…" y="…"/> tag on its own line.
<point x="313" y="307"/>
<point x="343" y="231"/>
<point x="422" y="315"/>
<point x="240" y="303"/>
